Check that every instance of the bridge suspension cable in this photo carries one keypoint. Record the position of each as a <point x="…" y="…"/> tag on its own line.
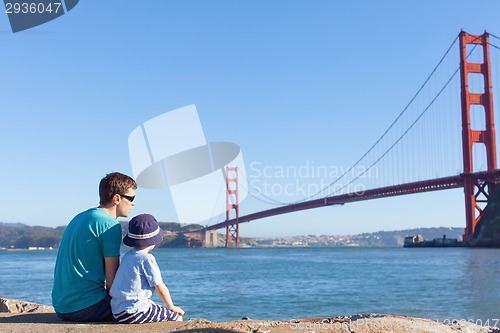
<point x="384" y="134"/>
<point x="496" y="47"/>
<point x="422" y="141"/>
<point x="403" y="135"/>
<point x="474" y="75"/>
<point x="392" y="125"/>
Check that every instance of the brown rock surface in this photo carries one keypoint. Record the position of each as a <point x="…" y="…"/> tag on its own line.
<point x="44" y="320"/>
<point x="15" y="306"/>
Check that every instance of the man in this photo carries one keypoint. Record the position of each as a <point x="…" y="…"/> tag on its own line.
<point x="89" y="254"/>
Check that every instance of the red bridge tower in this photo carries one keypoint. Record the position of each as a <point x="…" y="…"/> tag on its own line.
<point x="232" y="202"/>
<point x="476" y="192"/>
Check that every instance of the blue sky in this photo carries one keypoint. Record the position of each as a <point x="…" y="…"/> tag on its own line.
<point x="291" y="82"/>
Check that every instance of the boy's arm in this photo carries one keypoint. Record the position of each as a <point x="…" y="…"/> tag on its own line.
<point x="110" y="267"/>
<point x="164" y="294"/>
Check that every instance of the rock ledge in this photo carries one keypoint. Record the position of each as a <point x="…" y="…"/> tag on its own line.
<point x="25" y="317"/>
<point x="16" y="306"/>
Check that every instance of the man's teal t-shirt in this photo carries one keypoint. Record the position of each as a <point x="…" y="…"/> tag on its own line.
<point x="79" y="276"/>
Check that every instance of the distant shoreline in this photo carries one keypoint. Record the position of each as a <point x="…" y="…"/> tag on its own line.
<point x="19" y="236"/>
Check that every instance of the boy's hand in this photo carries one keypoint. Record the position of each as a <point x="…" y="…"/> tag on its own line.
<point x="178" y="310"/>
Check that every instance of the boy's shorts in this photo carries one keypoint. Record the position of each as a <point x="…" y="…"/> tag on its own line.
<point x="155" y="313"/>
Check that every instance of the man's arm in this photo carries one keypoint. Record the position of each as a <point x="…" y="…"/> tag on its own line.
<point x="110" y="267"/>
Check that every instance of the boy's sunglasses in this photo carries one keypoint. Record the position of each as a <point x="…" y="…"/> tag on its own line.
<point x="128" y="197"/>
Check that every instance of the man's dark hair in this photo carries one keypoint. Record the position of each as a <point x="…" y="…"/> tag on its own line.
<point x="114" y="183"/>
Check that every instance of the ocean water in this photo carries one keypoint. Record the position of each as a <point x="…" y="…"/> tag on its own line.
<point x="284" y="283"/>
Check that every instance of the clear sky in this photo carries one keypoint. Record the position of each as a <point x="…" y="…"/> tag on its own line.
<point x="291" y="82"/>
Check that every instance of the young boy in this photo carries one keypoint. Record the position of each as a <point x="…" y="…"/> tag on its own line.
<point x="138" y="276"/>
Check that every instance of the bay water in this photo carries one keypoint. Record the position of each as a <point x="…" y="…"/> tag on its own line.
<point x="221" y="284"/>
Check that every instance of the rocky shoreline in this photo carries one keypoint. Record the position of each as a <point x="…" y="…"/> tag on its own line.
<point x="25" y="317"/>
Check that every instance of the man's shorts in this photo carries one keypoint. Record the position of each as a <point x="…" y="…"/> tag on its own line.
<point x="101" y="311"/>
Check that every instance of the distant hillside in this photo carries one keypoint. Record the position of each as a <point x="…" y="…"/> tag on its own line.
<point x="171" y="230"/>
<point x="396" y="238"/>
<point x="375" y="239"/>
<point x="21" y="236"/>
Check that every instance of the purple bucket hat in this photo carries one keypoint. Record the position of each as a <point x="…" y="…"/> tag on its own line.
<point x="143" y="231"/>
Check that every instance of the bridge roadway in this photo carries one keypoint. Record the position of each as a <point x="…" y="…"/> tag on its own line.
<point x="383" y="192"/>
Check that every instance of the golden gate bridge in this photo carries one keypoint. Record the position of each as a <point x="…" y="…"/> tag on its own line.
<point x="434" y="125"/>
